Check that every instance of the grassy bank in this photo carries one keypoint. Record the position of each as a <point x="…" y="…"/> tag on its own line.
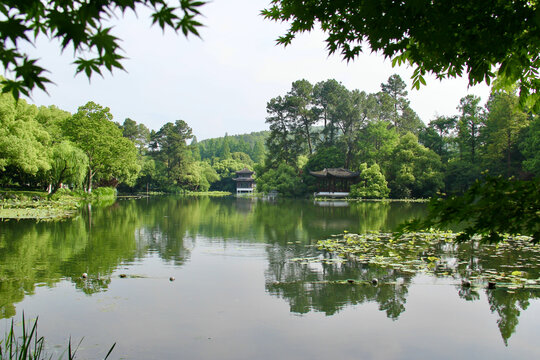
<point x="40" y="206"/>
<point x="208" y="193"/>
<point x="371" y="200"/>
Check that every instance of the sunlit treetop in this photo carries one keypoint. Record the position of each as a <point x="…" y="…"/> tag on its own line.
<point x="475" y="38"/>
<point x="80" y="25"/>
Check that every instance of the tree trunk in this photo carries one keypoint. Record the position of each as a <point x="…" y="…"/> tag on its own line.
<point x="308" y="138"/>
<point x="89" y="185"/>
<point x="56" y="186"/>
<point x="508" y="155"/>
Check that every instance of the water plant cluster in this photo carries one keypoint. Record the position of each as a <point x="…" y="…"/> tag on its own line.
<point x="511" y="263"/>
<point x="39" y="205"/>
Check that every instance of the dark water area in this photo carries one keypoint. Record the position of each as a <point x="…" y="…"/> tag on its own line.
<point x="238" y="294"/>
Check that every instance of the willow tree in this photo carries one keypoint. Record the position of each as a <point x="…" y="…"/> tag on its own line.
<point x="68" y="165"/>
<point x="23" y="141"/>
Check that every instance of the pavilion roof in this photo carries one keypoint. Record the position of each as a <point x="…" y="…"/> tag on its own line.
<point x="244" y="171"/>
<point x="335" y="172"/>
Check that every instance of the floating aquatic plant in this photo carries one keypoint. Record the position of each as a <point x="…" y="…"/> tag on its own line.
<point x="511" y="263"/>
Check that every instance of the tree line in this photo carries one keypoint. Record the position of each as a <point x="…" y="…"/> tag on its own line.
<point x="312" y="127"/>
<point x="379" y="135"/>
<point x="47" y="148"/>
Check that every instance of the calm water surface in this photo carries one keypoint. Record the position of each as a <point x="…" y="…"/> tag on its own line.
<point x="237" y="294"/>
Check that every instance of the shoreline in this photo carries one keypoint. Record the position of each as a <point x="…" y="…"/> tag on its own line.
<point x="39" y="206"/>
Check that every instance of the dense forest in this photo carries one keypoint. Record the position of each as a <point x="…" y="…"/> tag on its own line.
<point x="47" y="148"/>
<point x="327" y="125"/>
<point x="312" y="127"/>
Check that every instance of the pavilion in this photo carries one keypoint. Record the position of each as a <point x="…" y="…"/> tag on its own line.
<point x="334" y="182"/>
<point x="245" y="184"/>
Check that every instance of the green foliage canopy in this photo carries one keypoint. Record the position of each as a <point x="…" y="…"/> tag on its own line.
<point x="414" y="170"/>
<point x="489" y="208"/>
<point x="531" y="147"/>
<point x="172" y="150"/>
<point x="284" y="179"/>
<point x="372" y="184"/>
<point x="109" y="154"/>
<point x="504" y="124"/>
<point x="68" y="164"/>
<point x="81" y="24"/>
<point x="23" y="141"/>
<point x="448" y="38"/>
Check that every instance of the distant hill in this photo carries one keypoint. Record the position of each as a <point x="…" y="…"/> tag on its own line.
<point x="251" y="144"/>
<point x="250" y="138"/>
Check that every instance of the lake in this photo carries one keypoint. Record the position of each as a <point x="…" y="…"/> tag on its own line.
<point x="240" y="292"/>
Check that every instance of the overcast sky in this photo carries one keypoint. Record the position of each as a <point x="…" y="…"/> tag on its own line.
<point x="221" y="83"/>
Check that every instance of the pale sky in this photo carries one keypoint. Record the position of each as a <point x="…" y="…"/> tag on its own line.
<point x="221" y="83"/>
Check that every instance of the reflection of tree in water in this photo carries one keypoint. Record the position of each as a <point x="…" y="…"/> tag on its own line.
<point x="96" y="243"/>
<point x="30" y="253"/>
<point x="287" y="220"/>
<point x="472" y="259"/>
<point x="508" y="305"/>
<point x="280" y="222"/>
<point x="322" y="285"/>
<point x="475" y="258"/>
<point x="165" y="227"/>
<point x="398" y="212"/>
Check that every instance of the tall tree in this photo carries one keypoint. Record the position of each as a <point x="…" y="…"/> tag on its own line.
<point x="504" y="123"/>
<point x="350" y="115"/>
<point x="382" y="109"/>
<point x="403" y="117"/>
<point x="326" y="96"/>
<point x="300" y="109"/>
<point x="469" y="124"/>
<point x="396" y="89"/>
<point x="139" y="134"/>
<point x="110" y="156"/>
<point x="172" y="147"/>
<point x="282" y="144"/>
<point x="444" y="125"/>
<point x="437" y="136"/>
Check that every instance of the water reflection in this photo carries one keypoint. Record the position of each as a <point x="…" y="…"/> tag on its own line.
<point x="322" y="286"/>
<point x="324" y="282"/>
<point x="102" y="239"/>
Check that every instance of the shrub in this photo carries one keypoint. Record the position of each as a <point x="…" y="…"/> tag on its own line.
<point x="372" y="184"/>
<point x="104" y="192"/>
